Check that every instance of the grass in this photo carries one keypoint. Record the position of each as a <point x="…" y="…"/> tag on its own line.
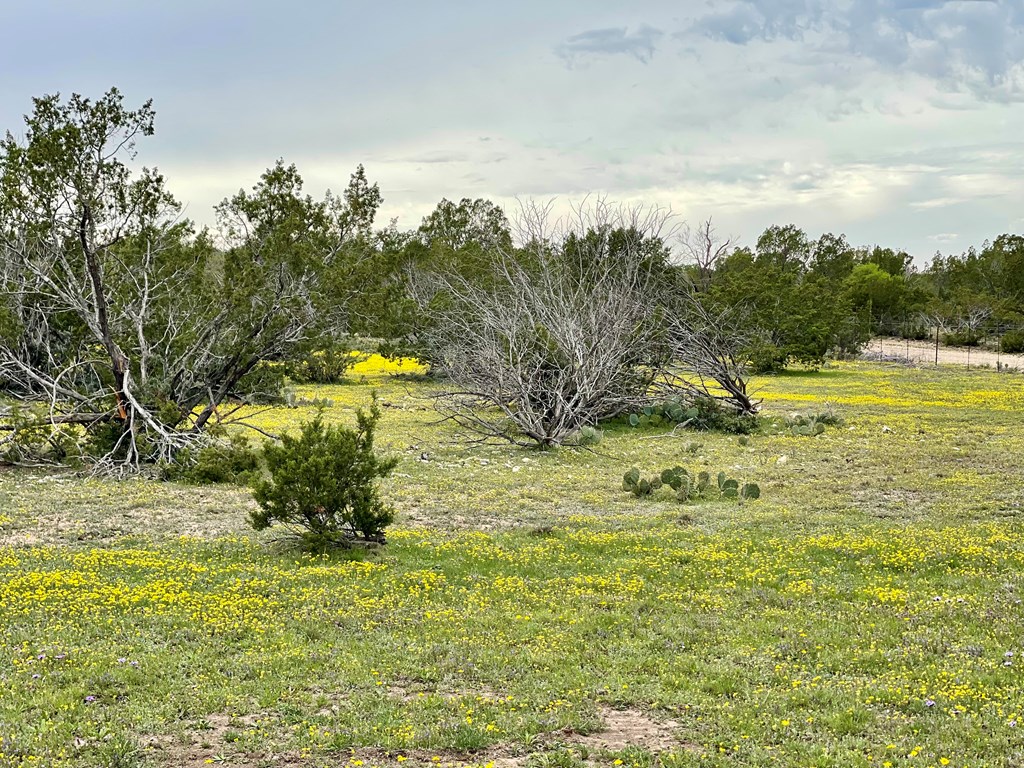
<point x="865" y="612"/>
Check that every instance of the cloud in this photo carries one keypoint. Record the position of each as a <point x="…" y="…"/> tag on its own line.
<point x="612" y="41"/>
<point x="974" y="46"/>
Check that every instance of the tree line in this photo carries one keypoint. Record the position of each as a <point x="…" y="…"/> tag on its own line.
<point x="126" y="331"/>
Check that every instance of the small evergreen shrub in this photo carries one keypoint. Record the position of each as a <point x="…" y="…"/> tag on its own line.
<point x="713" y="417"/>
<point x="1013" y="342"/>
<point x="765" y="357"/>
<point x="702" y="414"/>
<point x="263" y="384"/>
<point x="31" y="438"/>
<point x="323" y="484"/>
<point x="323" y="366"/>
<point x="962" y="339"/>
<point x="235" y="461"/>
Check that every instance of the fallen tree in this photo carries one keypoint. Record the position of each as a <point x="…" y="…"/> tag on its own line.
<point x="116" y="316"/>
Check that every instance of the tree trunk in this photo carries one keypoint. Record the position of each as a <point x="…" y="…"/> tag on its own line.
<point x="118" y="360"/>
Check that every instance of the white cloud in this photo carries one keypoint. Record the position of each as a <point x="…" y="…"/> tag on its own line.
<point x="894" y="121"/>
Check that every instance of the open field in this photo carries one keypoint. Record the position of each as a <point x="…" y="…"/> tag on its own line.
<point x="866" y="611"/>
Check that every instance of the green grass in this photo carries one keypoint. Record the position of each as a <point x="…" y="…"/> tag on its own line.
<point x="526" y="611"/>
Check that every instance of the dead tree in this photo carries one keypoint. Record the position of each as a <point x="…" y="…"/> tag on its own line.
<point x="703" y="247"/>
<point x="572" y="328"/>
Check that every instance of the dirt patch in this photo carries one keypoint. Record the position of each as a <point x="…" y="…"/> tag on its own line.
<point x="923" y="353"/>
<point x="622" y="728"/>
<point x="207" y="742"/>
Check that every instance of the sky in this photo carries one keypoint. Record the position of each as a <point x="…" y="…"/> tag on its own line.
<point x="896" y="122"/>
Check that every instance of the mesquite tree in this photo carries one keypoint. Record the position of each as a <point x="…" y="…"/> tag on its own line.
<point x="579" y="324"/>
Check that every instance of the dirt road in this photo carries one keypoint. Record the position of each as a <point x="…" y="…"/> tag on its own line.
<point x="923" y="352"/>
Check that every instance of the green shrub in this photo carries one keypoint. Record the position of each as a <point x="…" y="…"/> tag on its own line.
<point x="235" y="461"/>
<point x="712" y="417"/>
<point x="323" y="484"/>
<point x="961" y="339"/>
<point x="703" y="414"/>
<point x="323" y="366"/>
<point x="30" y="438"/>
<point x="263" y="384"/>
<point x="765" y="357"/>
<point x="915" y="332"/>
<point x="1013" y="342"/>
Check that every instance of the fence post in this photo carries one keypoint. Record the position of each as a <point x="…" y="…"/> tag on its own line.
<point x="936" y="345"/>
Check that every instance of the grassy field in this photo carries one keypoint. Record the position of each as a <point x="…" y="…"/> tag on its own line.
<point x="866" y="611"/>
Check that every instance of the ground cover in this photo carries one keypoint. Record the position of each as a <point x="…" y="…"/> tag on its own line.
<point x="866" y="611"/>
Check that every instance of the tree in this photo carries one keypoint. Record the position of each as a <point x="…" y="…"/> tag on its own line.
<point x="785" y="313"/>
<point x="469" y="222"/>
<point x="991" y="279"/>
<point x="832" y="258"/>
<point x="892" y="262"/>
<point x="787" y="248"/>
<point x="357" y="209"/>
<point x="572" y="328"/>
<point x="455" y="238"/>
<point x="888" y="298"/>
<point x="704" y="249"/>
<point x="122" y="318"/>
<point x="75" y="226"/>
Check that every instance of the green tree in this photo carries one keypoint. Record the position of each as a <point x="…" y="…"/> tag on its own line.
<point x="789" y="311"/>
<point x="119" y="315"/>
<point x="885" y="296"/>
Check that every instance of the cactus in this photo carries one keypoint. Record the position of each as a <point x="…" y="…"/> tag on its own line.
<point x="674" y="477"/>
<point x="685" y="487"/>
<point x="810" y="425"/>
<point x="631" y="479"/>
<point x="639" y="486"/>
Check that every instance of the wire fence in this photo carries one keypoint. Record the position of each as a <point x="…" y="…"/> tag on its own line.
<point x="978" y="345"/>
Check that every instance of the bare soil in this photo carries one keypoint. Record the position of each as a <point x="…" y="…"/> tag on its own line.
<point x="923" y="353"/>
